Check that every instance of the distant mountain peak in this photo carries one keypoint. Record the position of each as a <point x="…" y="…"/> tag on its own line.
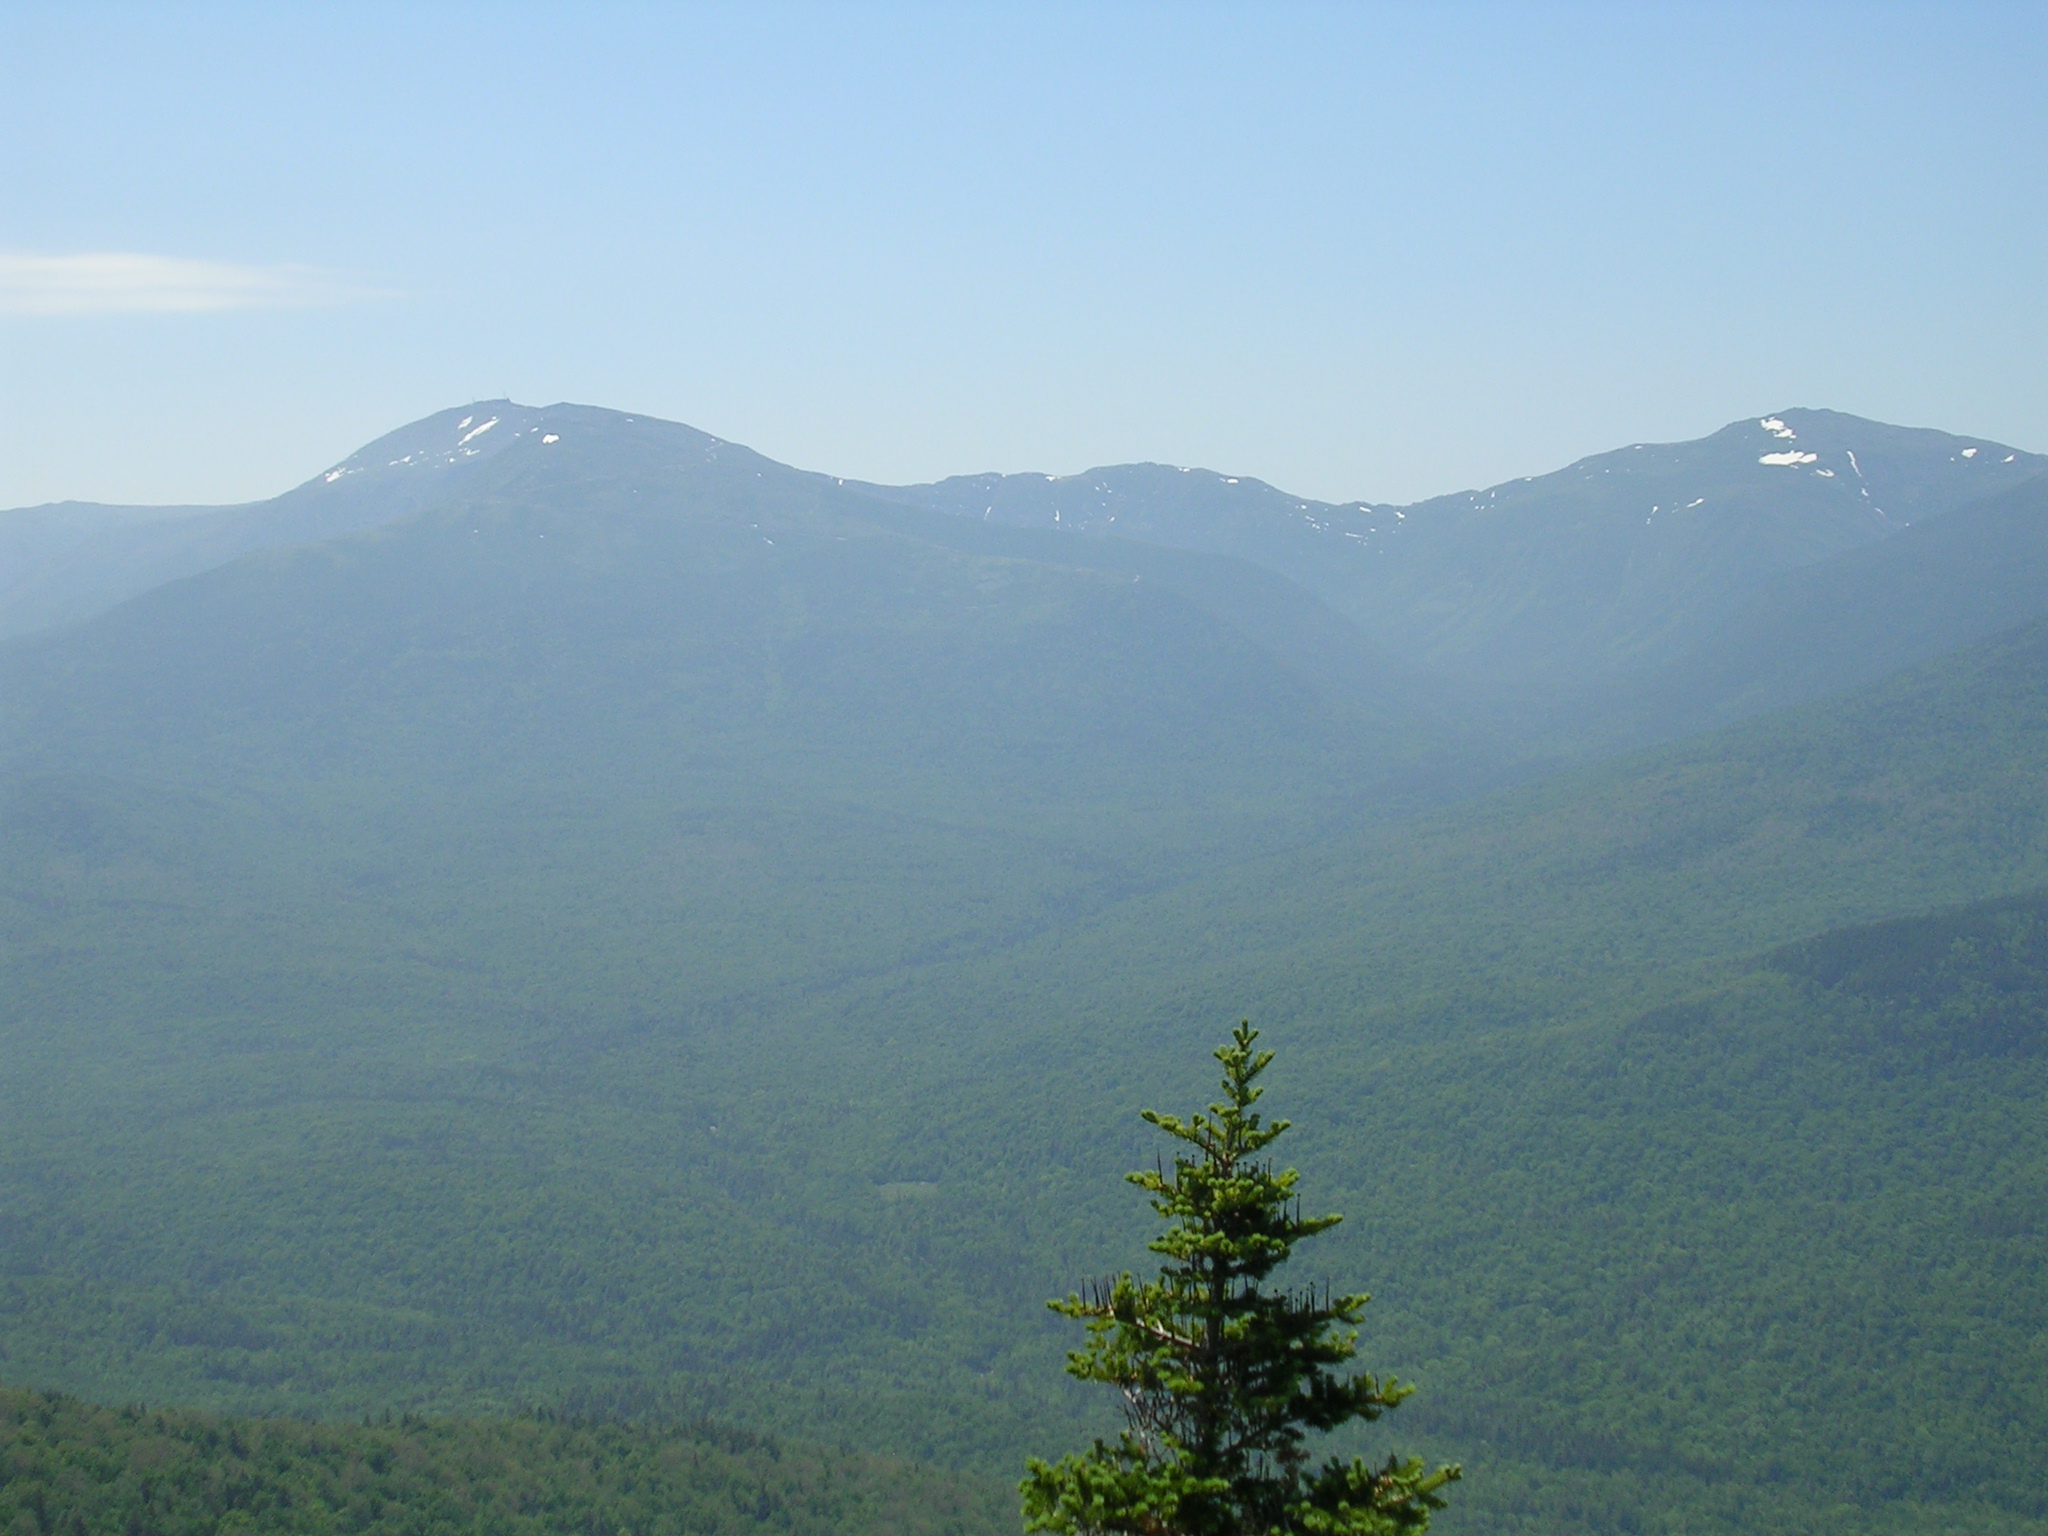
<point x="443" y="440"/>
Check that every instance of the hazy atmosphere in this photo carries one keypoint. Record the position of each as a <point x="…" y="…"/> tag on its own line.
<point x="1367" y="251"/>
<point x="889" y="771"/>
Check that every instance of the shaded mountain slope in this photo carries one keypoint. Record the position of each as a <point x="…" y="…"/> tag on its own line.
<point x="1515" y="598"/>
<point x="1922" y="790"/>
<point x="786" y="707"/>
<point x="1501" y="607"/>
<point x="1849" y="620"/>
<point x="68" y="561"/>
<point x="1281" y="617"/>
<point x="399" y="835"/>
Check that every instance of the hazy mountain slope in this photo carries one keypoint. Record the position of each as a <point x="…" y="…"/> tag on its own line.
<point x="824" y="741"/>
<point x="800" y="710"/>
<point x="641" y="746"/>
<point x="1848" y="620"/>
<point x="666" y="930"/>
<point x="65" y="562"/>
<point x="1552" y="584"/>
<point x="1582" y="1239"/>
<point x="60" y="564"/>
<point x="1681" y="1262"/>
<point x="1593" y="567"/>
<point x="1273" y="612"/>
<point x="336" y="1095"/>
<point x="1922" y="790"/>
<point x="1536" y="589"/>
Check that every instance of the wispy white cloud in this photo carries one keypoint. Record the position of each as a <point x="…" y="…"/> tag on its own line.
<point x="124" y="282"/>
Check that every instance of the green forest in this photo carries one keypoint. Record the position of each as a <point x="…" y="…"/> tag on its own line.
<point x="652" y="982"/>
<point x="71" y="1468"/>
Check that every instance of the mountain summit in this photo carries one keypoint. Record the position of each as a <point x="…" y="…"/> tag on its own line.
<point x="1549" y="584"/>
<point x="1567" y="610"/>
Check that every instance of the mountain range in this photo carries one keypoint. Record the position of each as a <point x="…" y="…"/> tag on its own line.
<point x="561" y="909"/>
<point x="1621" y="595"/>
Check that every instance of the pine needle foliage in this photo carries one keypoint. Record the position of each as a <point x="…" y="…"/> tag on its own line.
<point x="1222" y="1378"/>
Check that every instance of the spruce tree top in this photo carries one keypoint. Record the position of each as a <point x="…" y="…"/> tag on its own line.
<point x="1222" y="1379"/>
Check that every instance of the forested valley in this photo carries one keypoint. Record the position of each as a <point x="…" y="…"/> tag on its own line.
<point x="584" y="979"/>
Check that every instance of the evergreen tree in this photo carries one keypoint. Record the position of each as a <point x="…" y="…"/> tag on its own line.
<point x="1221" y="1378"/>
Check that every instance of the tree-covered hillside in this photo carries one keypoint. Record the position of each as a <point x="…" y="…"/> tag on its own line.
<point x="70" y="1467"/>
<point x="1779" y="1249"/>
<point x="676" y="936"/>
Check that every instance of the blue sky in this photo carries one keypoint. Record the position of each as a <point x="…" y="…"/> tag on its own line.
<point x="1363" y="251"/>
